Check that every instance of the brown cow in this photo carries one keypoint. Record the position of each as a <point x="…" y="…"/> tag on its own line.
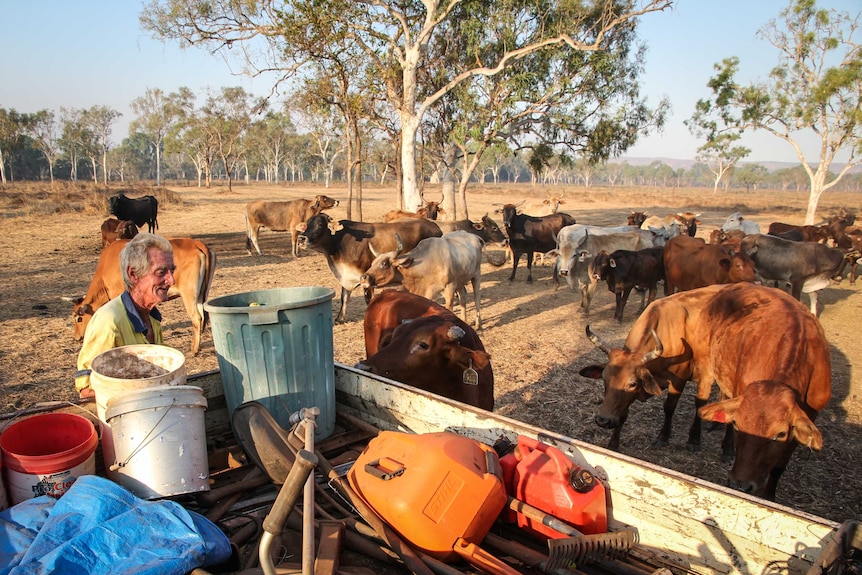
<point x="114" y="229"/>
<point x="808" y="233"/>
<point x="437" y="353"/>
<point x="282" y="217"/>
<point x="193" y="277"/>
<point x="389" y="309"/>
<point x="427" y="210"/>
<point x="734" y="335"/>
<point x="691" y="263"/>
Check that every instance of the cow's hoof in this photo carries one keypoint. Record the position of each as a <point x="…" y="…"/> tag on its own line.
<point x="727" y="457"/>
<point x="529" y="280"/>
<point x="659" y="443"/>
<point x="693" y="447"/>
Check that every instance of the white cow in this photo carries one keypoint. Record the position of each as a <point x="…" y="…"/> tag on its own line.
<point x="736" y="221"/>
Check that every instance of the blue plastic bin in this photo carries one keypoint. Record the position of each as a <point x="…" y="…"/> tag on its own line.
<point x="275" y="346"/>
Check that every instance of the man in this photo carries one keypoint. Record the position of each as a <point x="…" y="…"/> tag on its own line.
<point x="147" y="264"/>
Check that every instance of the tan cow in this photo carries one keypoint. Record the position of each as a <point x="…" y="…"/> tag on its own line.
<point x="193" y="277"/>
<point x="282" y="217"/>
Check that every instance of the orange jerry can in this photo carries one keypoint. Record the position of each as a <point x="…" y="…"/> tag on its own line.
<point x="544" y="477"/>
<point x="437" y="490"/>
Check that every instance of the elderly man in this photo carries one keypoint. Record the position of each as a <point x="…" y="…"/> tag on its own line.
<point x="147" y="264"/>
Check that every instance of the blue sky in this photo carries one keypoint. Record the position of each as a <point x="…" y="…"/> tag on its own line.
<point x="78" y="54"/>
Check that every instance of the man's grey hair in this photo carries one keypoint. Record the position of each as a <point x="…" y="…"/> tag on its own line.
<point x="135" y="254"/>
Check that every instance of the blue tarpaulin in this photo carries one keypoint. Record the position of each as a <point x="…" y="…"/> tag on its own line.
<point x="99" y="527"/>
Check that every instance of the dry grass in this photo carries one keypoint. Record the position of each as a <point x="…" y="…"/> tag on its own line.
<point x="534" y="334"/>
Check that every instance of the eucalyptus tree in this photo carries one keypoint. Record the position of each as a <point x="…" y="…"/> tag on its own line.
<point x="815" y="89"/>
<point x="101" y="119"/>
<point x="324" y="125"/>
<point x="13" y="127"/>
<point x="44" y="131"/>
<point x="226" y="118"/>
<point x="77" y="139"/>
<point x="398" y="39"/>
<point x="720" y="152"/>
<point x="156" y="114"/>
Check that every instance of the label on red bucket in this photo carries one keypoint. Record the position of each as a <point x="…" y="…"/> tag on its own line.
<point x="23" y="486"/>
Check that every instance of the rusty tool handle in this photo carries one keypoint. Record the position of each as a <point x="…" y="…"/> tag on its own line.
<point x="287" y="496"/>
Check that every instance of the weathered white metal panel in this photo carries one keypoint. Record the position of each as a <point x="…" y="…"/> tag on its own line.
<point x="693" y="525"/>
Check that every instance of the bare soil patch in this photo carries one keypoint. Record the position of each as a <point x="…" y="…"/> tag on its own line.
<point x="534" y="333"/>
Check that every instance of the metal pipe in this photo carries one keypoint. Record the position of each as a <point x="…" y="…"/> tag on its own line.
<point x="287" y="496"/>
<point x="309" y="419"/>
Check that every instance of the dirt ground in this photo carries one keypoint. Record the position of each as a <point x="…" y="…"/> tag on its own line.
<point x="534" y="334"/>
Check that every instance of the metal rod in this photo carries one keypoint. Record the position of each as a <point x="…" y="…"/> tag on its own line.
<point x="310" y="421"/>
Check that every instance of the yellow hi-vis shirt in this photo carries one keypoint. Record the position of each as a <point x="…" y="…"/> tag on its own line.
<point x="114" y="324"/>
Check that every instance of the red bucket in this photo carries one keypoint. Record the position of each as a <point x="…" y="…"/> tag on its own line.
<point x="45" y="454"/>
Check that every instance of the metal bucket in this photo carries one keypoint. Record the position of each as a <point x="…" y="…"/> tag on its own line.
<point x="159" y="439"/>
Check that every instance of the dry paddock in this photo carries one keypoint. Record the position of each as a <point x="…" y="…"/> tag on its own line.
<point x="534" y="333"/>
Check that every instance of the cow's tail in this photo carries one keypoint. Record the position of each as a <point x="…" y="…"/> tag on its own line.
<point x="206" y="280"/>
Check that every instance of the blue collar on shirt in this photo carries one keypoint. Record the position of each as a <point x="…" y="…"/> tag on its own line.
<point x="137" y="322"/>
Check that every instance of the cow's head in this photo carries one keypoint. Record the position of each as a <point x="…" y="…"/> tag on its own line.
<point x="317" y="230"/>
<point x="509" y="211"/>
<point x="322" y="202"/>
<point x="768" y="422"/>
<point x="688" y="222"/>
<point x="81" y="315"/>
<point x="126" y="230"/>
<point x="637" y="218"/>
<point x="384" y="270"/>
<point x="491" y="232"/>
<point x="626" y="378"/>
<point x="740" y="267"/>
<point x="433" y="353"/>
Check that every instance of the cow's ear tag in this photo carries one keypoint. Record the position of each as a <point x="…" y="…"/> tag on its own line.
<point x="471" y="376"/>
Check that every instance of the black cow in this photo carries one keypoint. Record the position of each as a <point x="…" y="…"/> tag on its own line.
<point x="529" y="234"/>
<point x="142" y="211"/>
<point x="487" y="229"/>
<point x="807" y="266"/>
<point x="348" y="247"/>
<point x="627" y="269"/>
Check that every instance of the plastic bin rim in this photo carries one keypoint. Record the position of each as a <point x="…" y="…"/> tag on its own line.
<point x="213" y="306"/>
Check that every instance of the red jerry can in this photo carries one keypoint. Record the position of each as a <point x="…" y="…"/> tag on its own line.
<point x="544" y="477"/>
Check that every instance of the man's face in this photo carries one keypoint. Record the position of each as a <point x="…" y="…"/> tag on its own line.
<point x="151" y="288"/>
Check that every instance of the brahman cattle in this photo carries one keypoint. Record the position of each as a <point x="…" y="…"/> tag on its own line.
<point x="347" y="246"/>
<point x="625" y="270"/>
<point x="691" y="263"/>
<point x="445" y="264"/>
<point x="580" y="243"/>
<point x="530" y="234"/>
<point x="807" y="266"/>
<point x="114" y="229"/>
<point x="438" y="353"/>
<point x="286" y="216"/>
<point x="838" y="224"/>
<point x="142" y="211"/>
<point x="637" y="218"/>
<point x="195" y="266"/>
<point x="736" y="221"/>
<point x="550" y="205"/>
<point x="734" y="335"/>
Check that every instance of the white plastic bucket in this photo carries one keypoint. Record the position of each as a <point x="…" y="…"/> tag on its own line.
<point x="132" y="367"/>
<point x="129" y="368"/>
<point x="44" y="454"/>
<point x="159" y="441"/>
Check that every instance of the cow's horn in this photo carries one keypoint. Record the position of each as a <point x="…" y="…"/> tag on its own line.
<point x="399" y="245"/>
<point x="597" y="341"/>
<point x="373" y="251"/>
<point x="521" y="203"/>
<point x="655" y="353"/>
<point x="455" y="333"/>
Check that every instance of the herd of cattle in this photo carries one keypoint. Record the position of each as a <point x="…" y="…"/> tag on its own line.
<point x="707" y="328"/>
